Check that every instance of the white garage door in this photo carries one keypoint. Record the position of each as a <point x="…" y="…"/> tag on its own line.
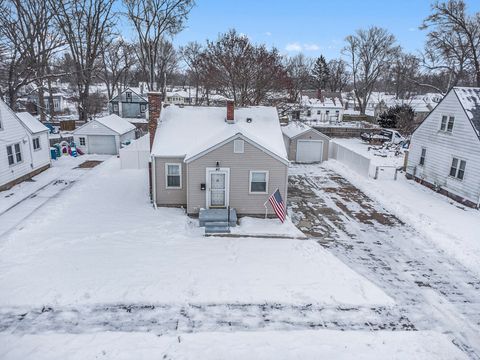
<point x="102" y="144"/>
<point x="309" y="151"/>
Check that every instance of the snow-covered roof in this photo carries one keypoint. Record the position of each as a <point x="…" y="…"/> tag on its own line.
<point x="31" y="123"/>
<point x="295" y="128"/>
<point x="116" y="123"/>
<point x="189" y="131"/>
<point x="325" y="103"/>
<point x="137" y="120"/>
<point x="469" y="97"/>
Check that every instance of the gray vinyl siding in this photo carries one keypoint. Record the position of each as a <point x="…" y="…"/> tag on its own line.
<point x="240" y="166"/>
<point x="169" y="197"/>
<point x="93" y="128"/>
<point x="308" y="135"/>
<point x="441" y="147"/>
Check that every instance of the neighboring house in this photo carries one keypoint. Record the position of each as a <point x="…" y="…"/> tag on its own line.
<point x="445" y="148"/>
<point x="218" y="157"/>
<point x="324" y="110"/>
<point x="305" y="144"/>
<point x="128" y="104"/>
<point x="104" y="135"/>
<point x="24" y="147"/>
<point x="180" y="97"/>
<point x="60" y="103"/>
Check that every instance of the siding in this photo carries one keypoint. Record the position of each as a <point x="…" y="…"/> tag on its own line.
<point x="93" y="128"/>
<point x="313" y="135"/>
<point x="40" y="157"/>
<point x="240" y="165"/>
<point x="441" y="148"/>
<point x="169" y="196"/>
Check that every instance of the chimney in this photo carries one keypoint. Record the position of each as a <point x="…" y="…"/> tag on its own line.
<point x="230" y="112"/>
<point x="154" y="108"/>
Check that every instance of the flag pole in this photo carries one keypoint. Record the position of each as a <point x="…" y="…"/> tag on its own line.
<point x="266" y="210"/>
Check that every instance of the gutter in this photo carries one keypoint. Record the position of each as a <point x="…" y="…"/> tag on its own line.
<point x="154" y="184"/>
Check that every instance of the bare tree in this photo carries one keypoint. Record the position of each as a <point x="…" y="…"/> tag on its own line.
<point x="299" y="75"/>
<point x="404" y="72"/>
<point x="153" y="20"/>
<point x="86" y="26"/>
<point x="454" y="39"/>
<point x="339" y="75"/>
<point x="370" y="52"/>
<point x="167" y="63"/>
<point x="192" y="55"/>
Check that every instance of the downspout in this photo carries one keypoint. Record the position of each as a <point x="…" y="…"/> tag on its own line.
<point x="154" y="184"/>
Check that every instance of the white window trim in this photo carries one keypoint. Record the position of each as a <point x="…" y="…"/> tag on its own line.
<point x="267" y="174"/>
<point x="458" y="168"/>
<point x="243" y="146"/>
<point x="80" y="141"/>
<point x="166" y="176"/>
<point x="15" y="162"/>
<point x="210" y="170"/>
<point x="446" y="124"/>
<point x="39" y="144"/>
<point x="424" y="157"/>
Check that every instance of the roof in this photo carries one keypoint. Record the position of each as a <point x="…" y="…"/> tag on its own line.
<point x="469" y="98"/>
<point x="295" y="128"/>
<point x="31" y="123"/>
<point x="326" y="103"/>
<point x="192" y="130"/>
<point x="114" y="123"/>
<point x="136" y="91"/>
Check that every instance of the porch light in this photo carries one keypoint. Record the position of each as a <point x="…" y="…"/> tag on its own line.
<point x="217" y="166"/>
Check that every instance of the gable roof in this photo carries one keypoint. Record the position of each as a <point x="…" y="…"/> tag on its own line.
<point x="135" y="91"/>
<point x="297" y="128"/>
<point x="192" y="130"/>
<point x="469" y="98"/>
<point x="114" y="123"/>
<point x="32" y="124"/>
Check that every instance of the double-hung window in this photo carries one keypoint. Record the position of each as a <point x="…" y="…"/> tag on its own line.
<point x="14" y="154"/>
<point x="173" y="175"/>
<point x="422" y="157"/>
<point x="457" y="170"/>
<point x="258" y="182"/>
<point x="36" y="143"/>
<point x="447" y="123"/>
<point x="443" y="125"/>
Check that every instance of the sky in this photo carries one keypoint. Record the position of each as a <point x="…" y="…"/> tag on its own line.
<point x="313" y="27"/>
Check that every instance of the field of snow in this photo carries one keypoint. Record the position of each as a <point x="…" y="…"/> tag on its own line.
<point x="102" y="242"/>
<point x="321" y="344"/>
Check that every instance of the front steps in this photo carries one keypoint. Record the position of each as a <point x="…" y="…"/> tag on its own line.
<point x="217" y="221"/>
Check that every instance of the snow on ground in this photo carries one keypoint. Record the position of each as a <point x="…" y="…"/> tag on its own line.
<point x="266" y="227"/>
<point x="102" y="242"/>
<point x="322" y="344"/>
<point x="377" y="157"/>
<point x="452" y="227"/>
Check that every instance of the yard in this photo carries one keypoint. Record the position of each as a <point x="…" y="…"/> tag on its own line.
<point x="97" y="272"/>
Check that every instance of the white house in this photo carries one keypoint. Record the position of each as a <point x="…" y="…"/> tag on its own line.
<point x="324" y="110"/>
<point x="445" y="148"/>
<point x="24" y="147"/>
<point x="104" y="135"/>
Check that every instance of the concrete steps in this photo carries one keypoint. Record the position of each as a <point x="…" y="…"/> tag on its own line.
<point x="217" y="227"/>
<point x="217" y="221"/>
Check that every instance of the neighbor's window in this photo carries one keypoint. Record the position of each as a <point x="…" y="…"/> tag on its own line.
<point x="443" y="125"/>
<point x="422" y="157"/>
<point x="115" y="107"/>
<point x="36" y="143"/>
<point x="238" y="146"/>
<point x="457" y="169"/>
<point x="451" y="120"/>
<point x="128" y="95"/>
<point x="174" y="176"/>
<point x="319" y="112"/>
<point x="14" y="154"/>
<point x="82" y="141"/>
<point x="258" y="182"/>
<point x="143" y="107"/>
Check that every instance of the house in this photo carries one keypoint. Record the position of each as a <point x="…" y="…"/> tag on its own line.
<point x="305" y="144"/>
<point x="24" y="147"/>
<point x="180" y="97"/>
<point x="324" y="110"/>
<point x="445" y="148"/>
<point x="129" y="103"/>
<point x="59" y="100"/>
<point x="217" y="157"/>
<point x="104" y="135"/>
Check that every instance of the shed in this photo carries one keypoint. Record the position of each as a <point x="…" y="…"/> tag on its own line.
<point x="305" y="144"/>
<point x="104" y="135"/>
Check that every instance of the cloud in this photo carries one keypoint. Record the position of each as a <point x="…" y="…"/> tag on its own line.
<point x="297" y="47"/>
<point x="268" y="33"/>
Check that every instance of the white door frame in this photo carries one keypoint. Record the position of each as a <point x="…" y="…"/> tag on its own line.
<point x="225" y="171"/>
<point x="309" y="140"/>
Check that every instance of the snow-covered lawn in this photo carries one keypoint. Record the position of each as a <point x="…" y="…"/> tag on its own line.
<point x="278" y="345"/>
<point x="102" y="242"/>
<point x="452" y="227"/>
<point x="266" y="227"/>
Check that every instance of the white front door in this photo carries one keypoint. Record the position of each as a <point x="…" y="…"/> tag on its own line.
<point x="217" y="187"/>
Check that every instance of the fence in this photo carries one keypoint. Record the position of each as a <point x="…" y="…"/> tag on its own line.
<point x="344" y="132"/>
<point x="136" y="155"/>
<point x="353" y="160"/>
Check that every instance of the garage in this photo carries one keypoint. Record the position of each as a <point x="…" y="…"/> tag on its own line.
<point x="309" y="151"/>
<point x="102" y="144"/>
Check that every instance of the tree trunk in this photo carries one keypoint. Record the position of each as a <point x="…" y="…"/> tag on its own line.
<point x="41" y="101"/>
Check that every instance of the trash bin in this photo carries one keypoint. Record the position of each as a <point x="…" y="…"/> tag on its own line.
<point x="53" y="153"/>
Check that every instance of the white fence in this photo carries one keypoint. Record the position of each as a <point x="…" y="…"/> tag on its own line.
<point x="353" y="160"/>
<point x="136" y="155"/>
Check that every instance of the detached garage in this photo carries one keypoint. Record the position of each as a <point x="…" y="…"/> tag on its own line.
<point x="305" y="144"/>
<point x="104" y="135"/>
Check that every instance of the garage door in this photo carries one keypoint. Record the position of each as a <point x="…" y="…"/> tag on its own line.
<point x="309" y="151"/>
<point x="102" y="144"/>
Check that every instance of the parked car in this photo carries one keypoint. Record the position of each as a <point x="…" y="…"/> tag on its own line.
<point x="386" y="135"/>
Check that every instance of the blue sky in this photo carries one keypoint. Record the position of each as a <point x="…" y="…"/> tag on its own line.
<point x="313" y="26"/>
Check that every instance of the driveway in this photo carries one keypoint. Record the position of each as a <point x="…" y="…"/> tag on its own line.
<point x="432" y="290"/>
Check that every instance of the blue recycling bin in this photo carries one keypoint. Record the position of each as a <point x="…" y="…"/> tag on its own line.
<point x="53" y="153"/>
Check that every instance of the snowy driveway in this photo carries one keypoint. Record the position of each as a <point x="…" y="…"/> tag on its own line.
<point x="432" y="290"/>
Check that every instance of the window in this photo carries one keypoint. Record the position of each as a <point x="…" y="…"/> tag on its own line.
<point x="422" y="157"/>
<point x="1" y="126"/>
<point x="128" y="95"/>
<point x="238" y="146"/>
<point x="173" y="174"/>
<point x="56" y="104"/>
<point x="451" y="120"/>
<point x="258" y="182"/>
<point x="115" y="107"/>
<point x="36" y="143"/>
<point x="82" y="141"/>
<point x="457" y="170"/>
<point x="14" y="154"/>
<point x="447" y="123"/>
<point x="319" y="112"/>
<point x="143" y="107"/>
<point x="443" y="125"/>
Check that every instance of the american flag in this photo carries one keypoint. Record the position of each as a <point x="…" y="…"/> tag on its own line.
<point x="278" y="205"/>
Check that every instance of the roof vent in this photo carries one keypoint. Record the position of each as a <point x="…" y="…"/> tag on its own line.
<point x="249" y="120"/>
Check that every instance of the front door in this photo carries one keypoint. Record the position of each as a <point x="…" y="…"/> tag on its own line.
<point x="217" y="181"/>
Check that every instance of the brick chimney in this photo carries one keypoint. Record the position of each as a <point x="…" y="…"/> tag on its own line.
<point x="230" y="112"/>
<point x="154" y="109"/>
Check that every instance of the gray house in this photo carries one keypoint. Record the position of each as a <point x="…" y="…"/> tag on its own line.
<point x="444" y="150"/>
<point x="211" y="158"/>
<point x="128" y="104"/>
<point x="305" y="144"/>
